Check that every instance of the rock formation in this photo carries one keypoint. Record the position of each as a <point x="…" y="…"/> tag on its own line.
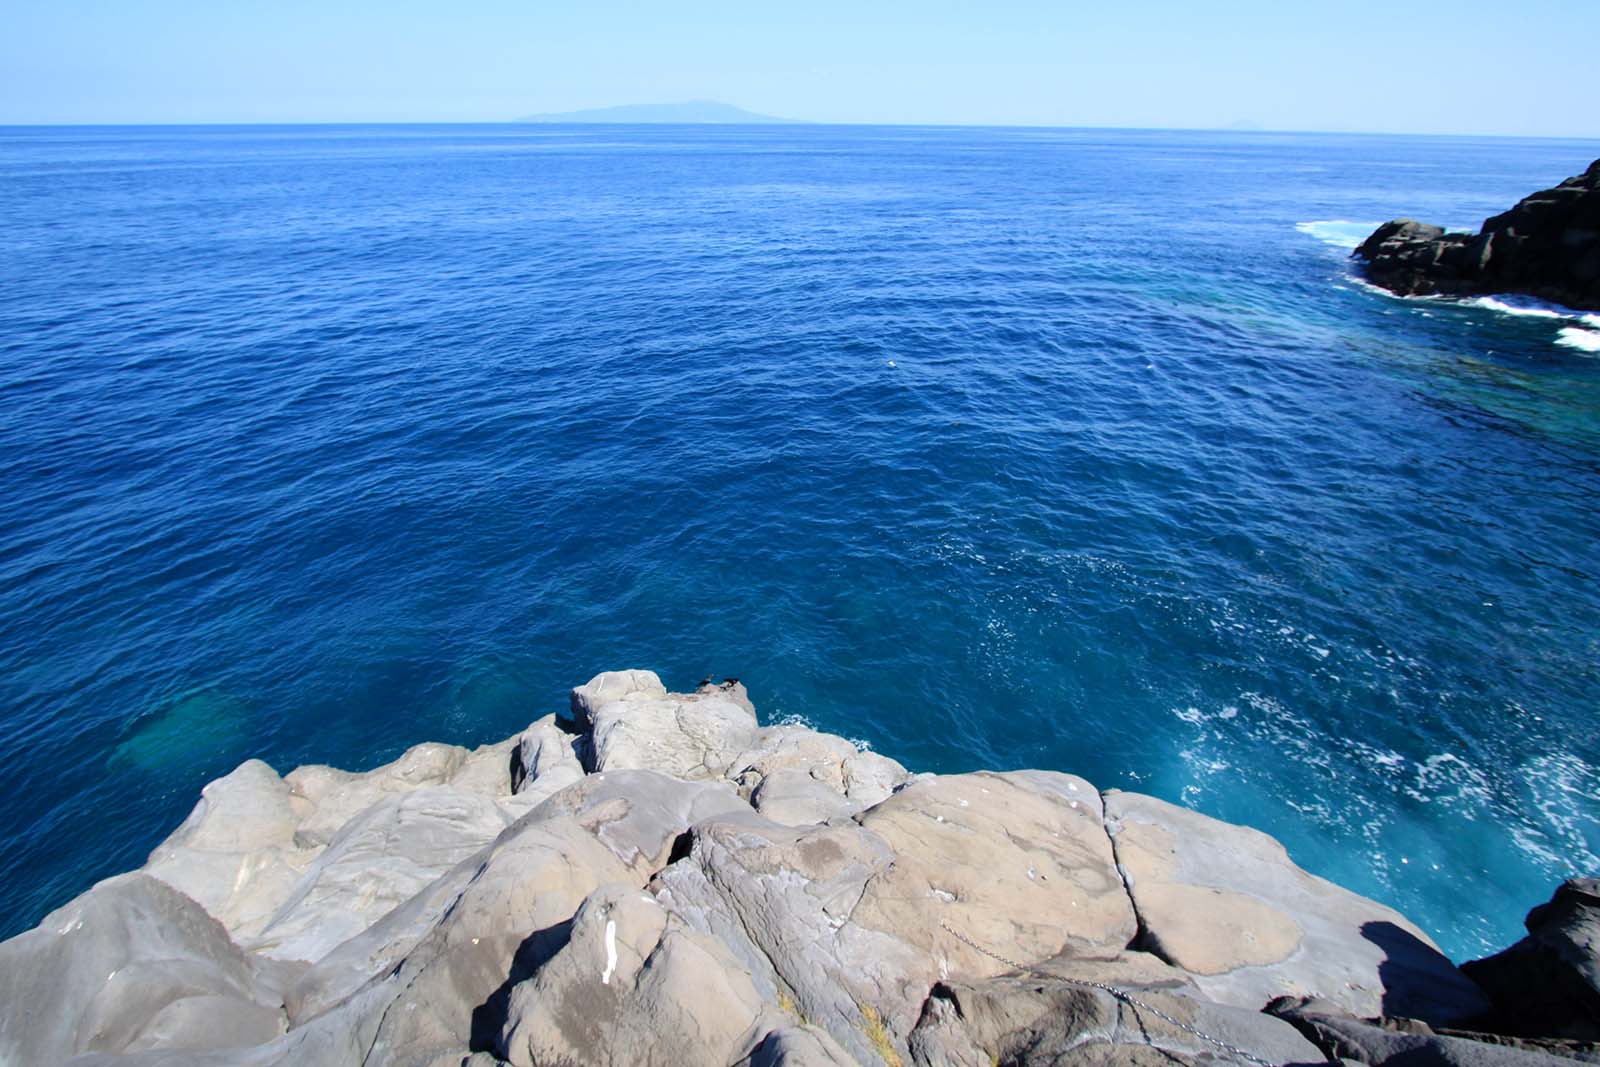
<point x="1547" y="246"/>
<point x="1548" y="984"/>
<point x="655" y="878"/>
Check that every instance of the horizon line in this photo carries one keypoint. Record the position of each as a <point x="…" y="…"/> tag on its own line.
<point x="788" y="124"/>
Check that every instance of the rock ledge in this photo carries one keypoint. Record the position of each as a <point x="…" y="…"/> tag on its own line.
<point x="656" y="878"/>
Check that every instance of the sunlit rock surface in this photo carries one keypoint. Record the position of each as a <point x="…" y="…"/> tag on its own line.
<point x="655" y="878"/>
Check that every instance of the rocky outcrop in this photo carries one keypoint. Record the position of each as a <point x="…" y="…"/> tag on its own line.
<point x="1066" y="1004"/>
<point x="128" y="966"/>
<point x="1403" y="1042"/>
<point x="1225" y="903"/>
<point x="1547" y="246"/>
<point x="656" y="878"/>
<point x="1548" y="984"/>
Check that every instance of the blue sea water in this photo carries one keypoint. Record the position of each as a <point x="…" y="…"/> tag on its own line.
<point x="1075" y="449"/>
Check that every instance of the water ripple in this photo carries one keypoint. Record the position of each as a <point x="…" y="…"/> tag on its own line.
<point x="1074" y="449"/>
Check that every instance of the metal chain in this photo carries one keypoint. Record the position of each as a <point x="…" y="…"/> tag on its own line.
<point x="1119" y="994"/>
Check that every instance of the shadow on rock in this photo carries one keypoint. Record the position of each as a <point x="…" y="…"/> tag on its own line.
<point x="1410" y="973"/>
<point x="489" y="1018"/>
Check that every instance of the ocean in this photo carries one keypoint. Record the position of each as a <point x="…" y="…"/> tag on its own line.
<point x="1074" y="449"/>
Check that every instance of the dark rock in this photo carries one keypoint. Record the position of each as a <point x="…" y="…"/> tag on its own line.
<point x="1547" y="246"/>
<point x="1586" y="1051"/>
<point x="1548" y="984"/>
<point x="1404" y="1043"/>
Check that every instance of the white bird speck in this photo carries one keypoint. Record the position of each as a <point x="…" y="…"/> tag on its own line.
<point x="611" y="952"/>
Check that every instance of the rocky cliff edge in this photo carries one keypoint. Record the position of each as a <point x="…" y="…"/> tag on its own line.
<point x="655" y="878"/>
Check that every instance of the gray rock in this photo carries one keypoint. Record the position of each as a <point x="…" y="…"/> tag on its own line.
<point x="609" y="686"/>
<point x="202" y="1022"/>
<point x="1019" y="862"/>
<point x="635" y="816"/>
<point x="782" y="899"/>
<point x="686" y="737"/>
<point x="793" y="797"/>
<point x="451" y="990"/>
<point x="329" y="798"/>
<point x="235" y="854"/>
<point x="632" y="986"/>
<point x="1053" y="1016"/>
<point x="514" y="912"/>
<point x="849" y="921"/>
<point x="639" y="815"/>
<point x="1226" y="904"/>
<point x="507" y="900"/>
<point x="546" y="754"/>
<point x="340" y="1038"/>
<point x="486" y="926"/>
<point x="101" y="973"/>
<point x="378" y="949"/>
<point x="731" y="688"/>
<point x="487" y="769"/>
<point x="544" y="762"/>
<point x="862" y="778"/>
<point x="798" y="1046"/>
<point x="379" y="860"/>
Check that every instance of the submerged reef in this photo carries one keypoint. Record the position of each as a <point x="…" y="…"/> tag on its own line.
<point x="1547" y="246"/>
<point x="655" y="878"/>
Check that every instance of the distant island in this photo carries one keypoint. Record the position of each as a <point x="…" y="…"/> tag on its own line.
<point x="690" y="112"/>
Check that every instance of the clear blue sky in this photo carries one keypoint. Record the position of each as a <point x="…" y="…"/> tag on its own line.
<point x="1464" y="67"/>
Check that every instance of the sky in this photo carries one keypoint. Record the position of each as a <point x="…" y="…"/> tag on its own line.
<point x="1468" y="67"/>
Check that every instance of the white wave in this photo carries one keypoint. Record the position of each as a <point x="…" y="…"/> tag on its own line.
<point x="1530" y="309"/>
<point x="1585" y="336"/>
<point x="1339" y="233"/>
<point x="1583" y="340"/>
<point x="1451" y="780"/>
<point x="1564" y="789"/>
<point x="1378" y="290"/>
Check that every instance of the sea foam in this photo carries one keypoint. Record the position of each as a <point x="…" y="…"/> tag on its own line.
<point x="1582" y="336"/>
<point x="1583" y="340"/>
<point x="1531" y="309"/>
<point x="1340" y="233"/>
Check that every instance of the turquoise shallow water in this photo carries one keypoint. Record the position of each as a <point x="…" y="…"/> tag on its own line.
<point x="992" y="448"/>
